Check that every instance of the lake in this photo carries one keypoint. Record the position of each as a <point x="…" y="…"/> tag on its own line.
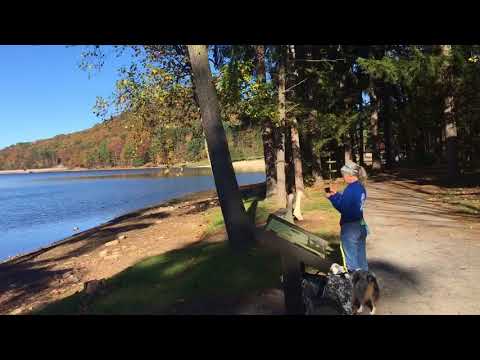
<point x="39" y="209"/>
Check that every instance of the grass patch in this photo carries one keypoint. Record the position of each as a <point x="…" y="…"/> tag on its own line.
<point x="214" y="218"/>
<point x="154" y="285"/>
<point x="315" y="201"/>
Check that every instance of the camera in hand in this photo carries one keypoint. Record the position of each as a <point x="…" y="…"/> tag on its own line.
<point x="327" y="189"/>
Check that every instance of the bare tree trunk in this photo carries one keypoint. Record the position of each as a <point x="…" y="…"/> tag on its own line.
<point x="267" y="131"/>
<point x="280" y="158"/>
<point x="388" y="142"/>
<point x="281" y="193"/>
<point x="451" y="138"/>
<point x="309" y="155"/>
<point x="360" y="143"/>
<point x="317" y="169"/>
<point x="206" y="148"/>
<point x="387" y="121"/>
<point x="314" y="157"/>
<point x="347" y="151"/>
<point x="353" y="154"/>
<point x="297" y="161"/>
<point x="297" y="155"/>
<point x="450" y="123"/>
<point x="238" y="226"/>
<point x="290" y="167"/>
<point x="309" y="53"/>
<point x="376" y="161"/>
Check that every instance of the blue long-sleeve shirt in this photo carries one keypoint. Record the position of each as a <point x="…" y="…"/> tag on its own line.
<point x="350" y="204"/>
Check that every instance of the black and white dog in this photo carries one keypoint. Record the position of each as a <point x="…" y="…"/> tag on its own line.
<point x="365" y="291"/>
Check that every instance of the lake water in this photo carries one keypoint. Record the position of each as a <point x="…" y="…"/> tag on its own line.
<point x="39" y="209"/>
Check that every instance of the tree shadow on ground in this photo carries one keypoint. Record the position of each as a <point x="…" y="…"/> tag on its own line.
<point x="416" y="209"/>
<point x="202" y="278"/>
<point x="436" y="176"/>
<point x="403" y="194"/>
<point x="27" y="277"/>
<point x="394" y="277"/>
<point x="22" y="281"/>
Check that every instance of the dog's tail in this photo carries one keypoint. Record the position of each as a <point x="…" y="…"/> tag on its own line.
<point x="376" y="289"/>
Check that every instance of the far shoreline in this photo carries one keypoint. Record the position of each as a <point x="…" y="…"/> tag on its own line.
<point x="244" y="165"/>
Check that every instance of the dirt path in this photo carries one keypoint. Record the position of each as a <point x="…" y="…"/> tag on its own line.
<point x="425" y="254"/>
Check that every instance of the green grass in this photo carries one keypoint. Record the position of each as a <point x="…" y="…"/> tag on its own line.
<point x="214" y="218"/>
<point x="154" y="285"/>
<point x="316" y="200"/>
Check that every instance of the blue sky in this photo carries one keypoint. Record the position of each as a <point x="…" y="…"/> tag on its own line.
<point x="44" y="93"/>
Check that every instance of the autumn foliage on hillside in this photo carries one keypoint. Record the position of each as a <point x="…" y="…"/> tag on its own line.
<point x="117" y="142"/>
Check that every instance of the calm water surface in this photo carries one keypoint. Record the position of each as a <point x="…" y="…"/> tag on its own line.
<point x="39" y="209"/>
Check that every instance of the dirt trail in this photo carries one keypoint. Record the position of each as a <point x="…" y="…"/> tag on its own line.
<point x="425" y="254"/>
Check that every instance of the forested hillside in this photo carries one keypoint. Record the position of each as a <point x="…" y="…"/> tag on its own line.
<point x="115" y="143"/>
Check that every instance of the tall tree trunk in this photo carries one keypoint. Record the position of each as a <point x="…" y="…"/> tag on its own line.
<point x="360" y="137"/>
<point x="239" y="229"/>
<point x="311" y="157"/>
<point x="409" y="145"/>
<point x="309" y="53"/>
<point x="361" y="146"/>
<point x="290" y="168"/>
<point x="267" y="131"/>
<point x="449" y="118"/>
<point x="296" y="153"/>
<point x="206" y="148"/>
<point x="317" y="169"/>
<point x="376" y="161"/>
<point x="280" y="132"/>
<point x="297" y="162"/>
<point x="451" y="138"/>
<point x="353" y="144"/>
<point x="316" y="158"/>
<point x="387" y="121"/>
<point x="347" y="147"/>
<point x="281" y="193"/>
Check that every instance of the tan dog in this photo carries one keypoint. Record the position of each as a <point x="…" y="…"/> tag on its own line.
<point x="365" y="291"/>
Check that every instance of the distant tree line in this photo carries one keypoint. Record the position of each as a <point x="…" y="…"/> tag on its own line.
<point x="114" y="143"/>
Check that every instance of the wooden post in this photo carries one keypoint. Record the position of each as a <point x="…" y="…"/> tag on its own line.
<point x="292" y="285"/>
